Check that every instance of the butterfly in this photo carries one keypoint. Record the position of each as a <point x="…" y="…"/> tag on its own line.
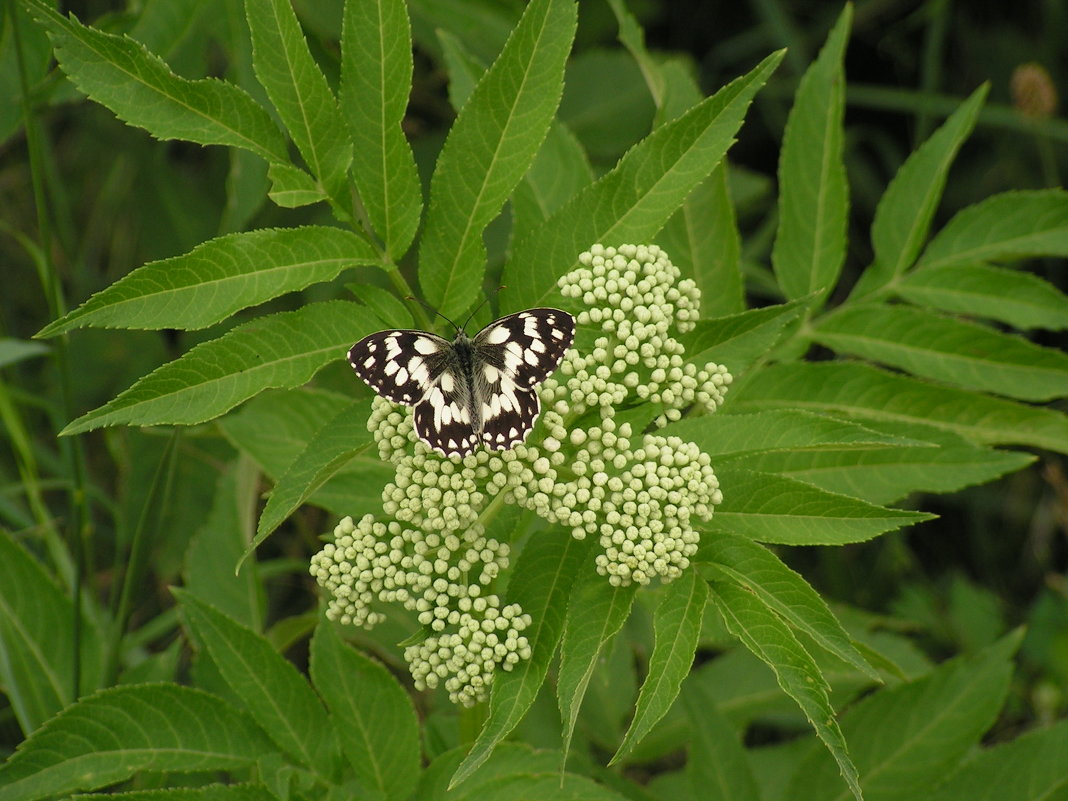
<point x="473" y="390"/>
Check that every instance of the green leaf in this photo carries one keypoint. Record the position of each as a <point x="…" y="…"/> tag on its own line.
<point x="770" y="508"/>
<point x="903" y="216"/>
<point x="292" y="187"/>
<point x="757" y="570"/>
<point x="116" y="733"/>
<point x="740" y="340"/>
<point x="559" y="171"/>
<point x="763" y="633"/>
<point x="596" y="612"/>
<point x="218" y="545"/>
<point x="1030" y="768"/>
<point x="386" y="306"/>
<point x="955" y="351"/>
<point x="208" y="792"/>
<point x="541" y="582"/>
<point x="703" y="240"/>
<point x="334" y="446"/>
<point x="219" y="277"/>
<point x="1019" y="298"/>
<point x="371" y="713"/>
<point x="273" y="693"/>
<point x="279" y="350"/>
<point x="463" y="67"/>
<point x="866" y="392"/>
<point x="905" y="739"/>
<point x="141" y="90"/>
<point x="633" y="201"/>
<point x="36" y="641"/>
<point x="300" y="94"/>
<point x="943" y="463"/>
<point x="677" y="625"/>
<point x="376" y="77"/>
<point x="1012" y="225"/>
<point x="717" y="764"/>
<point x="490" y="147"/>
<point x="13" y="351"/>
<point x="810" y="244"/>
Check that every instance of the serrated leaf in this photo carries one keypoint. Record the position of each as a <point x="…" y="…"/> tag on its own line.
<point x="371" y="712"/>
<point x="676" y="625"/>
<point x="774" y="509"/>
<point x="292" y="187"/>
<point x="740" y="340"/>
<point x="273" y="693"/>
<point x="208" y="792"/>
<point x="1021" y="299"/>
<point x="867" y="392"/>
<point x="376" y="77"/>
<point x="300" y="94"/>
<point x="489" y="148"/>
<point x="947" y="349"/>
<point x="334" y="446"/>
<point x="906" y="738"/>
<point x="141" y="90"/>
<point x="541" y="581"/>
<point x="36" y="642"/>
<point x="763" y="633"/>
<point x="904" y="213"/>
<point x="279" y="350"/>
<point x="716" y="764"/>
<point x="1029" y="768"/>
<point x="1012" y="225"/>
<point x="703" y="240"/>
<point x="757" y="570"/>
<point x="116" y="733"/>
<point x="810" y="244"/>
<point x="633" y="201"/>
<point x="218" y="545"/>
<point x="596" y="612"/>
<point x="219" y="277"/>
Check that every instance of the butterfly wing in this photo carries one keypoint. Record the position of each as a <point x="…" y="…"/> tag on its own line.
<point x="401" y="366"/>
<point x="512" y="356"/>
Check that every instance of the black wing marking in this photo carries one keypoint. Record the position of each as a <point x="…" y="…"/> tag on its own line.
<point x="526" y="346"/>
<point x="510" y="418"/>
<point x="400" y="365"/>
<point x="443" y="418"/>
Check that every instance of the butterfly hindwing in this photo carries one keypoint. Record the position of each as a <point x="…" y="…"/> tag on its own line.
<point x="400" y="365"/>
<point x="469" y="390"/>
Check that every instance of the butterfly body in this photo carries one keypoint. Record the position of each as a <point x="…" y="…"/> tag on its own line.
<point x="472" y="390"/>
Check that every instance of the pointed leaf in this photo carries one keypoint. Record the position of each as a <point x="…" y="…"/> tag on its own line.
<point x="740" y="340"/>
<point x="677" y="626"/>
<point x="376" y="77"/>
<point x="273" y="692"/>
<point x="116" y="733"/>
<point x="596" y="612"/>
<point x="219" y="277"/>
<point x="905" y="739"/>
<point x="280" y="350"/>
<point x="903" y="216"/>
<point x="371" y="712"/>
<point x="967" y="354"/>
<point x="770" y="508"/>
<point x="541" y="581"/>
<point x="141" y="90"/>
<point x="1021" y="299"/>
<point x="490" y="147"/>
<point x="866" y="392"/>
<point x="1012" y="225"/>
<point x="299" y="92"/>
<point x="292" y="187"/>
<point x="813" y="194"/>
<point x="763" y="633"/>
<point x="633" y="201"/>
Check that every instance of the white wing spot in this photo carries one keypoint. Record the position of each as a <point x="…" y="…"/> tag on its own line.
<point x="401" y="377"/>
<point x="498" y="335"/>
<point x="426" y="346"/>
<point x="368" y="362"/>
<point x="492" y="374"/>
<point x="448" y="383"/>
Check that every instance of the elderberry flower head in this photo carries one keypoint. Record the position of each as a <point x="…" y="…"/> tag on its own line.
<point x="596" y="464"/>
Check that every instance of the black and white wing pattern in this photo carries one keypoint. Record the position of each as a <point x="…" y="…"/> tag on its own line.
<point x="468" y="391"/>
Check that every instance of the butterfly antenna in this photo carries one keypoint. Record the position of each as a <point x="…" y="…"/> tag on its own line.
<point x="435" y="311"/>
<point x="485" y="300"/>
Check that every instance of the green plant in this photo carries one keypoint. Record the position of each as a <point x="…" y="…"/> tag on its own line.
<point x="634" y="509"/>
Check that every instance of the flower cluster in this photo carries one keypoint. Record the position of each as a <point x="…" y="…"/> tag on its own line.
<point x="596" y="464"/>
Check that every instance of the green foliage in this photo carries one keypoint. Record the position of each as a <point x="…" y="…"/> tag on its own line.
<point x="621" y="583"/>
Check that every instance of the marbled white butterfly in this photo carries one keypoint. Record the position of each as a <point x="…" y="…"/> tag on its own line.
<point x="471" y="390"/>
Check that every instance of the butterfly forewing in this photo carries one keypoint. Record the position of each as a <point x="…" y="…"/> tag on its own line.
<point x="469" y="390"/>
